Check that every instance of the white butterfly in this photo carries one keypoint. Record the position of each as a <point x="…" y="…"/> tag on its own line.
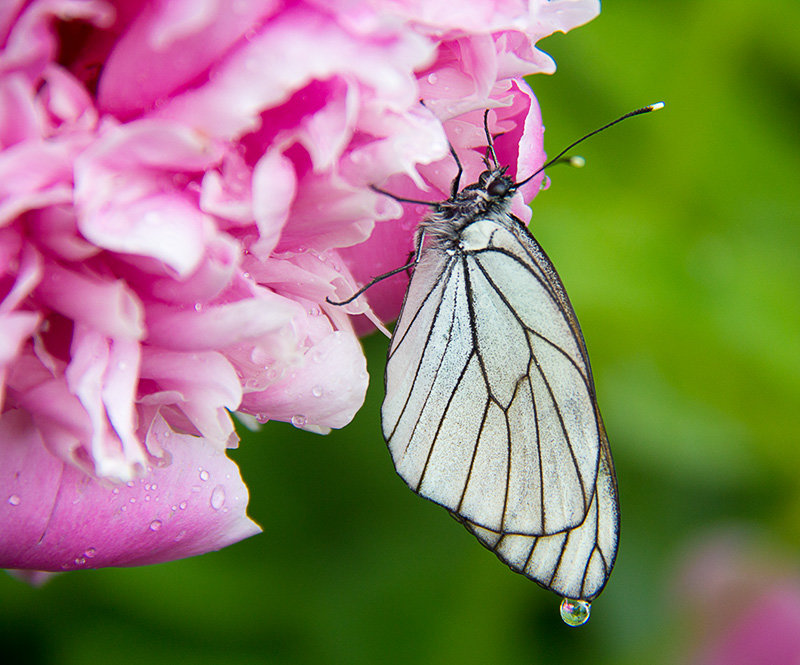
<point x="490" y="407"/>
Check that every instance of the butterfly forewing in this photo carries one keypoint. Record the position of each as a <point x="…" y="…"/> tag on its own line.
<point x="490" y="408"/>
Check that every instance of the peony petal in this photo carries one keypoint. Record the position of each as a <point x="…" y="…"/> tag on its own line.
<point x="124" y="189"/>
<point x="324" y="390"/>
<point x="20" y="119"/>
<point x="31" y="42"/>
<point x="108" y="307"/>
<point x="170" y="45"/>
<point x="67" y="102"/>
<point x="118" y="393"/>
<point x="56" y="230"/>
<point x="202" y="385"/>
<point x="212" y="277"/>
<point x="34" y="175"/>
<point x="15" y="329"/>
<point x="219" y="326"/>
<point x="230" y="103"/>
<point x="274" y="189"/>
<point x="194" y="504"/>
<point x="29" y="274"/>
<point x="227" y="193"/>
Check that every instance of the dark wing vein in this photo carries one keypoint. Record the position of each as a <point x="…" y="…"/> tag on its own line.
<point x="442" y="276"/>
<point x="567" y="438"/>
<point x="474" y="454"/>
<point x="434" y="320"/>
<point x="534" y="361"/>
<point x="444" y="416"/>
<point x="472" y="326"/>
<point x="513" y="311"/>
<point x="551" y="284"/>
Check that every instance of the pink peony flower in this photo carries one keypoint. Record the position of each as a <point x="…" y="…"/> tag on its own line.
<point x="182" y="185"/>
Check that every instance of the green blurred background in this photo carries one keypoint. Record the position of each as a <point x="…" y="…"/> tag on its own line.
<point x="679" y="244"/>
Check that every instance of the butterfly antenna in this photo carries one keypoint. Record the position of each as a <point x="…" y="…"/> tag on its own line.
<point x="644" y="109"/>
<point x="489" y="141"/>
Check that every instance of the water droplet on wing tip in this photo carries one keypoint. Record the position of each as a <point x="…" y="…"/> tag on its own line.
<point x="575" y="612"/>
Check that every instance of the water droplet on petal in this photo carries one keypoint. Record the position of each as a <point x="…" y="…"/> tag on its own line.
<point x="298" y="421"/>
<point x="14" y="500"/>
<point x="182" y="505"/>
<point x="317" y="391"/>
<point x="155" y="525"/>
<point x="79" y="561"/>
<point x="90" y="552"/>
<point x="204" y="475"/>
<point x="217" y="497"/>
<point x="130" y="483"/>
<point x="575" y="612"/>
<point x="433" y="77"/>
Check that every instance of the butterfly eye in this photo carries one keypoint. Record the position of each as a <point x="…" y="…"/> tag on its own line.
<point x="498" y="188"/>
<point x="483" y="178"/>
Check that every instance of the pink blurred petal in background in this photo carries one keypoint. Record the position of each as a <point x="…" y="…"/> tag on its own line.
<point x="741" y="600"/>
<point x="182" y="185"/>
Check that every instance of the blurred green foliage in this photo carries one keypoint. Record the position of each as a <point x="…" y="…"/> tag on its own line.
<point x="679" y="245"/>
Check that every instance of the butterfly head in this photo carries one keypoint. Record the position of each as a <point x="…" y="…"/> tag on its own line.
<point x="496" y="184"/>
<point x="493" y="186"/>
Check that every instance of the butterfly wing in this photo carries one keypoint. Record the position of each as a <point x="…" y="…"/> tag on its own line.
<point x="490" y="408"/>
<point x="574" y="563"/>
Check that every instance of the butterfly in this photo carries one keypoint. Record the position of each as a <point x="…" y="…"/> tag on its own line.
<point x="490" y="408"/>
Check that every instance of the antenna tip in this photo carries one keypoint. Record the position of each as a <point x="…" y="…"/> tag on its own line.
<point x="656" y="106"/>
<point x="576" y="161"/>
